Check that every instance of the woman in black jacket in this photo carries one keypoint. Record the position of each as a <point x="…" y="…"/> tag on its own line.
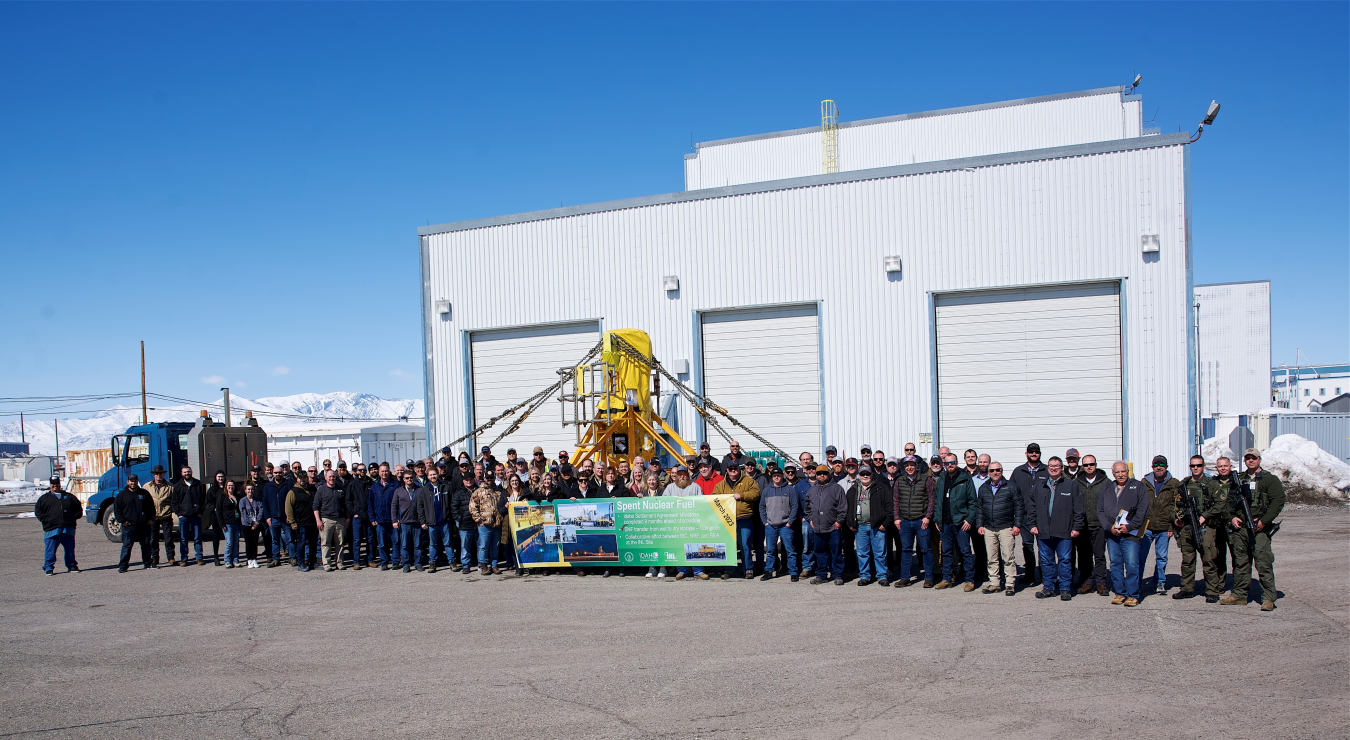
<point x="227" y="513"/>
<point x="210" y="522"/>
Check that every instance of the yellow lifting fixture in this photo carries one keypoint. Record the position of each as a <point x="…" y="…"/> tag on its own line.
<point x="612" y="403"/>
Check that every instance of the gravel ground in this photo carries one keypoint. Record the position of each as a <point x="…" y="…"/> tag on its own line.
<point x="209" y="652"/>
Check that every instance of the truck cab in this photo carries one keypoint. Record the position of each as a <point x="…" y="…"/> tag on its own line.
<point x="138" y="450"/>
<point x="205" y="446"/>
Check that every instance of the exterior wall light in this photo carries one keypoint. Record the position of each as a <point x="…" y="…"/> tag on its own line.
<point x="670" y="282"/>
<point x="443" y="307"/>
<point x="893" y="264"/>
<point x="1150" y="243"/>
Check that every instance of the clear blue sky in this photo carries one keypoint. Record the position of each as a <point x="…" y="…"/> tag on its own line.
<point x="240" y="184"/>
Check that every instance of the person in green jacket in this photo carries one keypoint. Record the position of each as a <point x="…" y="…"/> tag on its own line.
<point x="1264" y="494"/>
<point x="1163" y="490"/>
<point x="1202" y="491"/>
<point x="954" y="515"/>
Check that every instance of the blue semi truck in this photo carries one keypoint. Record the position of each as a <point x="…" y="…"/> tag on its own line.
<point x="205" y="446"/>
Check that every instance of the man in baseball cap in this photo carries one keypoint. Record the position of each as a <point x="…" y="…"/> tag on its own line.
<point x="1071" y="467"/>
<point x="828" y="508"/>
<point x="1163" y="490"/>
<point x="1264" y="495"/>
<point x="1025" y="478"/>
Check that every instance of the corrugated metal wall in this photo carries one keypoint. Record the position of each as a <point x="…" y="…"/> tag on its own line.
<point x="1015" y="128"/>
<point x="1233" y="372"/>
<point x="1331" y="432"/>
<point x="1035" y="222"/>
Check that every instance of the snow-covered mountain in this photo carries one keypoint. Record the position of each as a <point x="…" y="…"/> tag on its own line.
<point x="95" y="430"/>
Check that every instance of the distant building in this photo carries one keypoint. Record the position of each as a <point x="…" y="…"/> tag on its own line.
<point x="1308" y="388"/>
<point x="13" y="448"/>
<point x="1234" y="347"/>
<point x="1338" y="405"/>
<point x="350" y="442"/>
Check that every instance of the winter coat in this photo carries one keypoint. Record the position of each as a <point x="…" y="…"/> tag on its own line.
<point x="826" y="506"/>
<point x="426" y="504"/>
<point x="1026" y="478"/>
<point x="959" y="493"/>
<point x="1057" y="508"/>
<point x="357" y="496"/>
<point x="134" y="507"/>
<point x="274" y="500"/>
<point x="300" y="506"/>
<point x="880" y="499"/>
<point x="1132" y="498"/>
<point x="1162" y="504"/>
<point x="488" y="507"/>
<point x="748" y="504"/>
<point x="381" y="498"/>
<point x="189" y="499"/>
<point x="162" y="495"/>
<point x="403" y="506"/>
<point x="777" y="506"/>
<point x="1265" y="497"/>
<point x="57" y="510"/>
<point x="227" y="509"/>
<point x="213" y="493"/>
<point x="708" y="484"/>
<point x="1091" y="493"/>
<point x="998" y="510"/>
<point x="459" y="507"/>
<point x="913" y="498"/>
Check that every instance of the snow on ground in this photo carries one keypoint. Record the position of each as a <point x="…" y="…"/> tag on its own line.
<point x="1300" y="462"/>
<point x="93" y="431"/>
<point x="1297" y="461"/>
<point x="19" y="492"/>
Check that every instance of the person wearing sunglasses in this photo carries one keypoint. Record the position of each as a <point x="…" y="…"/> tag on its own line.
<point x="1163" y="491"/>
<point x="869" y="511"/>
<point x="1091" y="543"/>
<point x="1057" y="518"/>
<point x="998" y="510"/>
<point x="1265" y="495"/>
<point x="1200" y="490"/>
<point x="954" y="516"/>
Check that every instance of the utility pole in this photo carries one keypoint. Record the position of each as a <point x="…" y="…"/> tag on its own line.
<point x="56" y="424"/>
<point x="226" y="391"/>
<point x="23" y="436"/>
<point x="145" y="419"/>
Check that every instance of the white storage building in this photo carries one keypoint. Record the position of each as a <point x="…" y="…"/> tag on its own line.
<point x="350" y="442"/>
<point x="1040" y="293"/>
<point x="1234" y="347"/>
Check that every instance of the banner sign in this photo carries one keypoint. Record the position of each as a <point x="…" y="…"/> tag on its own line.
<point x="638" y="532"/>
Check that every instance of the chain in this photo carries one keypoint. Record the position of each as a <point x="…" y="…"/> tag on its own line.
<point x="537" y="399"/>
<point x="701" y="404"/>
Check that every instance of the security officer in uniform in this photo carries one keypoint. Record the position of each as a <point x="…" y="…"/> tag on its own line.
<point x="1204" y="492"/>
<point x="1265" y="497"/>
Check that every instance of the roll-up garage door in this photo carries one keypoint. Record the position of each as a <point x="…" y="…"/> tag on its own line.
<point x="1031" y="365"/>
<point x="510" y="365"/>
<point x="763" y="366"/>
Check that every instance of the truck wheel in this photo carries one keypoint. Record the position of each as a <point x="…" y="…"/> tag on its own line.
<point x="111" y="527"/>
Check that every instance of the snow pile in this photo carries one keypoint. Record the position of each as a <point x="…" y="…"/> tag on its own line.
<point x="94" y="431"/>
<point x="19" y="492"/>
<point x="1301" y="463"/>
<point x="1215" y="448"/>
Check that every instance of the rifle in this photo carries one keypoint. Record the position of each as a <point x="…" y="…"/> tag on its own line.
<point x="1244" y="498"/>
<point x="1188" y="503"/>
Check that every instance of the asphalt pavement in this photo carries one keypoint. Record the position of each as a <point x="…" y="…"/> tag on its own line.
<point x="205" y="652"/>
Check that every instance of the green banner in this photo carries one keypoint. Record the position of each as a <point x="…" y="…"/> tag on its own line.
<point x="638" y="532"/>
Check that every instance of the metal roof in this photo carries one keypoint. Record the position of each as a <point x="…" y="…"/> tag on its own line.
<point x="922" y="168"/>
<point x="1118" y="89"/>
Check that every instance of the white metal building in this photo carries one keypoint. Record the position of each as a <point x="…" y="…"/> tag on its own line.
<point x="1105" y="114"/>
<point x="1307" y="387"/>
<point x="1234" y="347"/>
<point x="350" y="442"/>
<point x="1041" y="294"/>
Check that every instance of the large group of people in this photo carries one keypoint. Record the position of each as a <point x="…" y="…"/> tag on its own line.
<point x="1062" y="526"/>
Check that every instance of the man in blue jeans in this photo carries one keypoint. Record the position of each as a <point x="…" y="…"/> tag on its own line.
<point x="913" y="512"/>
<point x="827" y="508"/>
<point x="954" y="515"/>
<point x="1122" y="509"/>
<point x="433" y="514"/>
<point x="59" y="513"/>
<point x="188" y="502"/>
<point x="798" y="479"/>
<point x="1057" y="517"/>
<point x="1163" y="492"/>
<point x="404" y="512"/>
<point x="274" y="510"/>
<point x="741" y="487"/>
<point x="778" y="510"/>
<point x="379" y="512"/>
<point x="869" y="511"/>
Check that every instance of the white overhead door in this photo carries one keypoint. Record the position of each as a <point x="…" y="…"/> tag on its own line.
<point x="511" y="365"/>
<point x="763" y="366"/>
<point x="1031" y="365"/>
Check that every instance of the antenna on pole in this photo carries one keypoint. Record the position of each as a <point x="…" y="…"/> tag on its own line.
<point x="829" y="135"/>
<point x="145" y="419"/>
